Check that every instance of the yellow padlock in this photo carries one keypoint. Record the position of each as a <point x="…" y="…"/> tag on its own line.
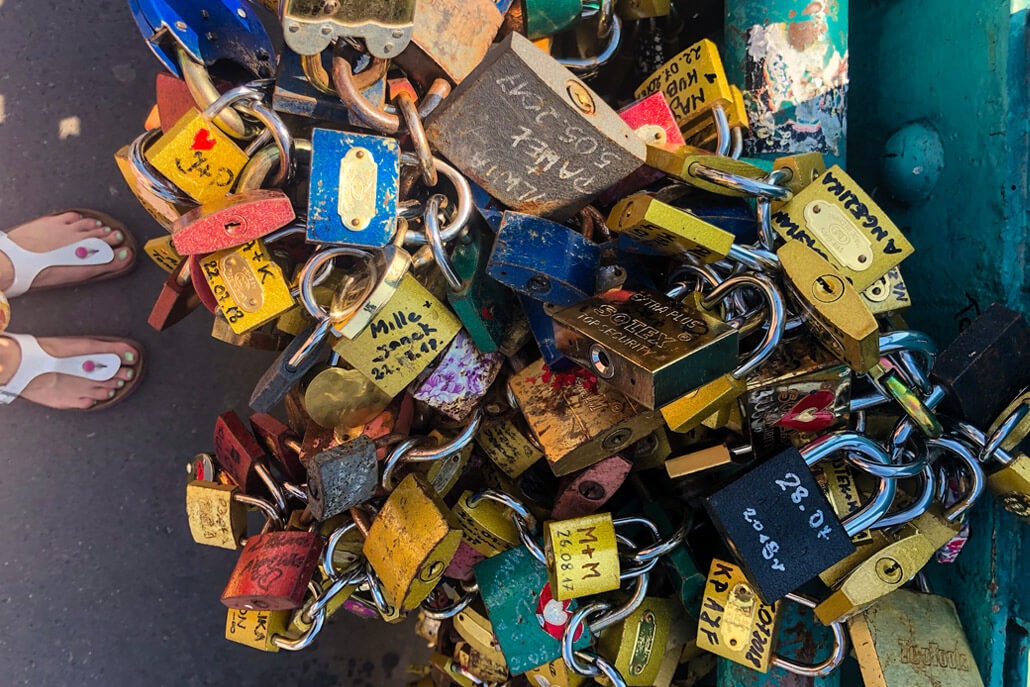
<point x="734" y="621"/>
<point x="163" y="253"/>
<point x="487" y="525"/>
<point x="256" y="629"/>
<point x="694" y="82"/>
<point x="582" y="556"/>
<point x="248" y="285"/>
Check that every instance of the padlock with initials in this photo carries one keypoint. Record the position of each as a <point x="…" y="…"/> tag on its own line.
<point x="216" y="515"/>
<point x="198" y="157"/>
<point x="273" y="571"/>
<point x="352" y="198"/>
<point x="411" y="542"/>
<point x="527" y="618"/>
<point x="582" y="556"/>
<point x="694" y="82"/>
<point x="577" y="419"/>
<point x="734" y="622"/>
<point x="835" y="218"/>
<point x="256" y="629"/>
<point x="646" y="345"/>
<point x="486" y="525"/>
<point x="248" y="285"/>
<point x="532" y="134"/>
<point x="341" y="477"/>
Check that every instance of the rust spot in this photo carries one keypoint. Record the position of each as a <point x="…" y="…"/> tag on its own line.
<point x="803" y="34"/>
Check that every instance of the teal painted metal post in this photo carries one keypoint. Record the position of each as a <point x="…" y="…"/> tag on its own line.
<point x="790" y="58"/>
<point x="960" y="69"/>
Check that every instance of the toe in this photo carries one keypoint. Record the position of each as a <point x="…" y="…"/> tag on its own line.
<point x="101" y="393"/>
<point x="113" y="237"/>
<point x="86" y="224"/>
<point x="84" y="403"/>
<point x="69" y="218"/>
<point x="125" y="374"/>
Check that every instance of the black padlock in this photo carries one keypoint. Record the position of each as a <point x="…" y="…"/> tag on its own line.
<point x="778" y="523"/>
<point x="985" y="367"/>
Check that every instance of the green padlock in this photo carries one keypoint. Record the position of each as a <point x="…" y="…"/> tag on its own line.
<point x="485" y="306"/>
<point x="548" y="17"/>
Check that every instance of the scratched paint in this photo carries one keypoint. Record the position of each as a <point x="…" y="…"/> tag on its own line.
<point x="791" y="57"/>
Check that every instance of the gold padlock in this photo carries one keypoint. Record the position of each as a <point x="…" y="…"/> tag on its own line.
<point x="694" y="82"/>
<point x="636" y="646"/>
<point x="411" y="542"/>
<point x="504" y="443"/>
<point x="669" y="230"/>
<point x="582" y="556"/>
<point x="487" y="525"/>
<point x="888" y="294"/>
<point x="216" y="515"/>
<point x="163" y="253"/>
<point x="555" y="674"/>
<point x="734" y="622"/>
<point x="256" y="629"/>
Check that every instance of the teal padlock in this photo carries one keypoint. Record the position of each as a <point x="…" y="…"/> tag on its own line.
<point x="688" y="580"/>
<point x="527" y="619"/>
<point x="485" y="307"/>
<point x="548" y="17"/>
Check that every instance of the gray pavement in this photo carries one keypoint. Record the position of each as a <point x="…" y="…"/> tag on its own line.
<point x="100" y="582"/>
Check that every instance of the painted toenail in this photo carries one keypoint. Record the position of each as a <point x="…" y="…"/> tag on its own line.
<point x="81" y="253"/>
<point x="111" y="393"/>
<point x="123" y="253"/>
<point x="121" y="383"/>
<point x="118" y="236"/>
<point x="100" y="222"/>
<point x="129" y="374"/>
<point x="107" y="230"/>
<point x="89" y="366"/>
<point x="130" y="357"/>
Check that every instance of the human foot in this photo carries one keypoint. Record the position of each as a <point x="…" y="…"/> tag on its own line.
<point x="106" y="372"/>
<point x="80" y="262"/>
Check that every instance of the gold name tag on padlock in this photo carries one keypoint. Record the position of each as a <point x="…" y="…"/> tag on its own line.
<point x="694" y="82"/>
<point x="734" y="622"/>
<point x="836" y="218"/>
<point x="249" y="286"/>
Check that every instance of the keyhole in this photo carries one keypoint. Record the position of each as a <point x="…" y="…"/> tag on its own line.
<point x="592" y="490"/>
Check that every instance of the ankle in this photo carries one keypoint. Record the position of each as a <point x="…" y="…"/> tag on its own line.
<point x="10" y="357"/>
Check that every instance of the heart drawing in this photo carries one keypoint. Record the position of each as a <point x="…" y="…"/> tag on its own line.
<point x="810" y="414"/>
<point x="203" y="140"/>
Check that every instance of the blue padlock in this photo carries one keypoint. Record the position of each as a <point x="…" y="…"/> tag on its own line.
<point x="294" y="93"/>
<point x="542" y="326"/>
<point x="544" y="260"/>
<point x="352" y="198"/>
<point x="207" y="30"/>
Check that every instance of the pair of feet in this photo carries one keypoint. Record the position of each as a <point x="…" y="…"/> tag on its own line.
<point x="66" y="388"/>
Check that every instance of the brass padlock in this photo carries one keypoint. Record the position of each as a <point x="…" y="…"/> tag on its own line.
<point x="582" y="556"/>
<point x="560" y="143"/>
<point x="577" y="419"/>
<point x="256" y="629"/>
<point x="411" y="542"/>
<point x="831" y="306"/>
<point x="669" y="230"/>
<point x="636" y="646"/>
<point x="734" y="622"/>
<point x="834" y="217"/>
<point x="248" y="285"/>
<point x="504" y="443"/>
<point x="487" y="525"/>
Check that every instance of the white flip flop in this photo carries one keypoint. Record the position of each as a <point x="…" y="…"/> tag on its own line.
<point x="85" y="252"/>
<point x="96" y="367"/>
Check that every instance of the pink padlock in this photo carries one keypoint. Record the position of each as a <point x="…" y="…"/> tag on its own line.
<point x="232" y="221"/>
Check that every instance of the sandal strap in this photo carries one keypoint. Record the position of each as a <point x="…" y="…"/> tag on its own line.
<point x="28" y="264"/>
<point x="98" y="367"/>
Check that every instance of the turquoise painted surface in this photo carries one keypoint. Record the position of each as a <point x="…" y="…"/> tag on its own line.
<point x="961" y="67"/>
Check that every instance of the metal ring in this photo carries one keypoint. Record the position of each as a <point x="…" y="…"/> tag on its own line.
<point x="328" y="565"/>
<point x="977" y="480"/>
<point x="766" y="234"/>
<point x="271" y="514"/>
<point x="204" y="93"/>
<point x="155" y="182"/>
<point x="261" y="470"/>
<point x="295" y="491"/>
<point x="409" y="112"/>
<point x="777" y="317"/>
<point x="1004" y="430"/>
<point x="722" y="128"/>
<point x="257" y="169"/>
<point x="824" y="668"/>
<point x="610" y="617"/>
<point x="379" y="119"/>
<point x="306" y="279"/>
<point x="420" y="455"/>
<point x="582" y="65"/>
<point x="661" y="548"/>
<point x="280" y="136"/>
<point x="918" y="507"/>
<point x="464" y="206"/>
<point x="375" y="588"/>
<point x="395" y="458"/>
<point x="305" y="639"/>
<point x="568" y="639"/>
<point x="431" y="222"/>
<point x="449" y="611"/>
<point x="609" y="671"/>
<point x="742" y="184"/>
<point x="738" y="142"/>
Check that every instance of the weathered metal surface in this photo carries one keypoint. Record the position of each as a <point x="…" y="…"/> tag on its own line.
<point x="385" y="25"/>
<point x="450" y="38"/>
<point x="589" y="489"/>
<point x="237" y="451"/>
<point x="532" y="134"/>
<point x="459" y="378"/>
<point x="790" y="57"/>
<point x="273" y="571"/>
<point x="342" y="477"/>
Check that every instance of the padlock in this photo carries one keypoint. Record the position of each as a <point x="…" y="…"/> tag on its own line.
<point x="407" y="335"/>
<point x="443" y="474"/>
<point x="254" y="628"/>
<point x="554" y="674"/>
<point x="911" y="547"/>
<point x="411" y="542"/>
<point x="734" y="621"/>
<point x="1011" y="482"/>
<point x="231" y="221"/>
<point x="352" y="198"/>
<point x="832" y="308"/>
<point x="995" y="346"/>
<point x="589" y="489"/>
<point x="835" y="218"/>
<point x="543" y="18"/>
<point x="715" y="394"/>
<point x="458" y="379"/>
<point x="450" y="38"/>
<point x="341" y="477"/>
<point x="650" y="452"/>
<point x="488" y="668"/>
<point x="280" y="442"/>
<point x="527" y="619"/>
<point x="779" y="524"/>
<point x="910" y="638"/>
<point x="239" y="454"/>
<point x="636" y="646"/>
<point x="297" y="93"/>
<point x="163" y="253"/>
<point x="544" y="260"/>
<point x="477" y="631"/>
<point x="485" y="307"/>
<point x="177" y="299"/>
<point x="445" y="672"/>
<point x="310" y="25"/>
<point x="694" y="82"/>
<point x="273" y="571"/>
<point x="248" y="285"/>
<point x="700" y="460"/>
<point x="164" y="210"/>
<point x="801" y="391"/>
<point x="198" y="158"/>
<point x="338" y="398"/>
<point x="561" y="144"/>
<point x="646" y="345"/>
<point x="505" y="444"/>
<point x="725" y="176"/>
<point x="577" y="419"/>
<point x="216" y="515"/>
<point x="798" y="171"/>
<point x="669" y="230"/>
<point x="486" y="525"/>
<point x="582" y="556"/>
<point x="295" y="361"/>
<point x="173" y="99"/>
<point x="636" y="10"/>
<point x="888" y="294"/>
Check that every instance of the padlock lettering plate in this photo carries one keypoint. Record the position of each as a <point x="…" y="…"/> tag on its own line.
<point x="693" y="81"/>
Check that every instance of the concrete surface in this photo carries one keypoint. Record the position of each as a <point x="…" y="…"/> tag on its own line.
<point x="100" y="582"/>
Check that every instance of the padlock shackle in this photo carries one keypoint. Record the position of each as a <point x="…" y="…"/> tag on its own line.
<point x="281" y="136"/>
<point x="255" y="172"/>
<point x="918" y="507"/>
<point x="584" y="66"/>
<point x="739" y="183"/>
<point x="431" y="222"/>
<point x="777" y="316"/>
<point x="205" y="94"/>
<point x="977" y="482"/>
<point x="763" y="207"/>
<point x="1005" y="428"/>
<point x="465" y="204"/>
<point x="307" y="279"/>
<point x="145" y="173"/>
<point x="620" y="613"/>
<point x="271" y="513"/>
<point x="449" y="611"/>
<point x="417" y="132"/>
<point x="825" y="667"/>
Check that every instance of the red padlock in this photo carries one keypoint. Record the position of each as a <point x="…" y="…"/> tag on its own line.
<point x="273" y="571"/>
<point x="232" y="221"/>
<point x="281" y="442"/>
<point x="177" y="299"/>
<point x="238" y="452"/>
<point x="586" y="491"/>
